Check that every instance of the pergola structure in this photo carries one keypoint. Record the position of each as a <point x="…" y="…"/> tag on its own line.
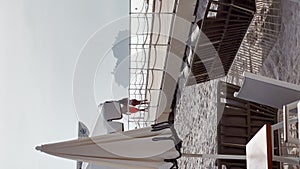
<point x="259" y="40"/>
<point x="238" y="35"/>
<point x="223" y="28"/>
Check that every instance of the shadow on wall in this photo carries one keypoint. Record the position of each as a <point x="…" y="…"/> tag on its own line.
<point x="121" y="52"/>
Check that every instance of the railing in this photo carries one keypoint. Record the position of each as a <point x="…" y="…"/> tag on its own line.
<point x="288" y="130"/>
<point x="139" y="23"/>
<point x="148" y="50"/>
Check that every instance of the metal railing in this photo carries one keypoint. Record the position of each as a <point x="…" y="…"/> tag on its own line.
<point x="145" y="56"/>
<point x="288" y="135"/>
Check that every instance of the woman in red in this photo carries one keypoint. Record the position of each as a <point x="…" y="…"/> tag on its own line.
<point x="134" y="109"/>
<point x="132" y="103"/>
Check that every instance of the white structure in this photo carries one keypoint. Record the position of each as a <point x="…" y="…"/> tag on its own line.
<point x="268" y="91"/>
<point x="159" y="32"/>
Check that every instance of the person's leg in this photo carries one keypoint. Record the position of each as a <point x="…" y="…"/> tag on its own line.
<point x="144" y="109"/>
<point x="144" y="101"/>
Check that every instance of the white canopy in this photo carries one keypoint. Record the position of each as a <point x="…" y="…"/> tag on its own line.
<point x="267" y="91"/>
<point x="146" y="148"/>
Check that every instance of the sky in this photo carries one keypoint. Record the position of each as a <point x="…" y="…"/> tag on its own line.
<point x="39" y="46"/>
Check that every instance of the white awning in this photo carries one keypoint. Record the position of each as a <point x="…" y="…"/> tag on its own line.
<point x="147" y="148"/>
<point x="267" y="91"/>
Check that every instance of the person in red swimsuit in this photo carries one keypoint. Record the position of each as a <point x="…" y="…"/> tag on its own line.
<point x="132" y="103"/>
<point x="134" y="109"/>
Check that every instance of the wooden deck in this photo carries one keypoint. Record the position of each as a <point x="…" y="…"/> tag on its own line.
<point x="239" y="121"/>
